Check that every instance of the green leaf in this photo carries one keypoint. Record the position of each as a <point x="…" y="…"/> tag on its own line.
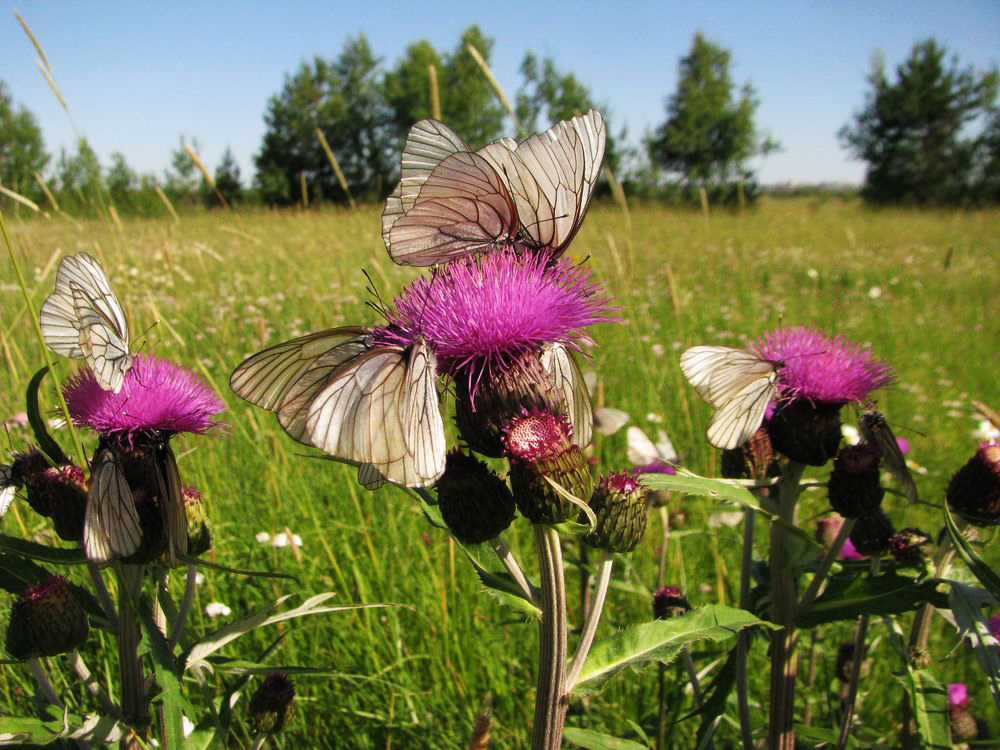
<point x="929" y="700"/>
<point x="17" y="573"/>
<point x="46" y="443"/>
<point x="201" y="563"/>
<point x="715" y="705"/>
<point x="41" y="552"/>
<point x="848" y="596"/>
<point x="692" y="484"/>
<point x="820" y="735"/>
<point x="967" y="607"/>
<point x="591" y="740"/>
<point x="98" y="729"/>
<point x="979" y="569"/>
<point x="660" y="641"/>
<point x="167" y="676"/>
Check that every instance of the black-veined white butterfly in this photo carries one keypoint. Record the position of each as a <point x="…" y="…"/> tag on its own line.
<point x="451" y="201"/>
<point x="376" y="408"/>
<point x="83" y="318"/>
<point x="643" y="452"/>
<point x="111" y="523"/>
<point x="737" y="383"/>
<point x="7" y="489"/>
<point x="875" y="430"/>
<point x="566" y="375"/>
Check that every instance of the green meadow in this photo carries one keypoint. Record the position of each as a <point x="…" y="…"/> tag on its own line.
<point x="922" y="289"/>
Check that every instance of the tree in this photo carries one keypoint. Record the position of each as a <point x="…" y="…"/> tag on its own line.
<point x="910" y="131"/>
<point x="22" y="151"/>
<point x="227" y="179"/>
<point x="558" y="96"/>
<point x="78" y="180"/>
<point x="183" y="179"/>
<point x="121" y="181"/>
<point x="709" y="134"/>
<point x="468" y="104"/>
<point x="343" y="98"/>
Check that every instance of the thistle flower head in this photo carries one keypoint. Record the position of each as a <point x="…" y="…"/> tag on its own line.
<point x="669" y="602"/>
<point x="157" y="395"/>
<point x="537" y="436"/>
<point x="46" y="620"/>
<point x="817" y="368"/>
<point x="974" y="490"/>
<point x="480" y="314"/>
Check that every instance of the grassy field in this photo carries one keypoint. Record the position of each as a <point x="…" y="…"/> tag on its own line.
<point x="923" y="289"/>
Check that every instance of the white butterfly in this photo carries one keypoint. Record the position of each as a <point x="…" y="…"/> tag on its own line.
<point x="875" y="430"/>
<point x="111" y="522"/>
<point x="83" y="318"/>
<point x="7" y="489"/>
<point x="738" y="384"/>
<point x="451" y="201"/>
<point x="643" y="452"/>
<point x="565" y="373"/>
<point x="376" y="408"/>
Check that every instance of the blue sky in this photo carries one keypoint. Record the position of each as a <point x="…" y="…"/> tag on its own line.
<point x="138" y="75"/>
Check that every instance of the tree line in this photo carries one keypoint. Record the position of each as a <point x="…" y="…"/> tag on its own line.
<point x="929" y="133"/>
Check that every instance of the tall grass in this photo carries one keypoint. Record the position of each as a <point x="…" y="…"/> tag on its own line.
<point x="921" y="288"/>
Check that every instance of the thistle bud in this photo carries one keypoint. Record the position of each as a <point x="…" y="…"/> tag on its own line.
<point x="911" y="548"/>
<point x="752" y="460"/>
<point x="475" y="503"/>
<point x="60" y="492"/>
<point x="871" y="533"/>
<point x="854" y="488"/>
<point x="668" y="602"/>
<point x="845" y="663"/>
<point x="974" y="491"/>
<point x="272" y="705"/>
<point x="540" y="447"/>
<point x="199" y="528"/>
<point x="619" y="502"/>
<point x="805" y="431"/>
<point x="963" y="724"/>
<point x="483" y="417"/>
<point x="46" y="620"/>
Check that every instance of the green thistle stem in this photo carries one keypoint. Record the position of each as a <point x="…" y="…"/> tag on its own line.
<point x="190" y="586"/>
<point x="743" y="639"/>
<point x="134" y="704"/>
<point x="550" y="709"/>
<point x="859" y="653"/>
<point x="593" y="620"/>
<point x="824" y="566"/>
<point x="510" y="562"/>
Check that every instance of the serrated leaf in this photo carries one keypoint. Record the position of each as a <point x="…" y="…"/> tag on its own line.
<point x="16" y="730"/>
<point x="848" y="596"/>
<point x="967" y="607"/>
<point x="660" y="641"/>
<point x="690" y="483"/>
<point x="929" y="701"/>
<point x="41" y="552"/>
<point x="591" y="740"/>
<point x="167" y="676"/>
<point x="200" y="563"/>
<point x="982" y="571"/>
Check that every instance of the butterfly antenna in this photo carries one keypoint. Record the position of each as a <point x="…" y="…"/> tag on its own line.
<point x="378" y="305"/>
<point x="427" y="297"/>
<point x="142" y="336"/>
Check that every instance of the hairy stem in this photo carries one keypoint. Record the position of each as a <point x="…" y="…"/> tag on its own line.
<point x="550" y="709"/>
<point x="135" y="707"/>
<point x="743" y="638"/>
<point x="593" y="619"/>
<point x="824" y="566"/>
<point x="510" y="562"/>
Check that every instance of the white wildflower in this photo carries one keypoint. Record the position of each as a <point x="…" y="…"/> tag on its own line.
<point x="217" y="609"/>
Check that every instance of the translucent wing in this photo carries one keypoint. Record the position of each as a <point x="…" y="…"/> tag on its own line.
<point x="875" y="430"/>
<point x="462" y="208"/>
<point x="424" y="429"/>
<point x="267" y="378"/>
<point x="568" y="378"/>
<point x="360" y="416"/>
<point x="642" y="450"/>
<point x="174" y="512"/>
<point x="7" y="489"/>
<point x="737" y="419"/>
<point x="428" y="143"/>
<point x="111" y="522"/>
<point x="608" y="421"/>
<point x="83" y="318"/>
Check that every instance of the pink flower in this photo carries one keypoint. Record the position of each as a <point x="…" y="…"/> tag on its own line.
<point x="958" y="696"/>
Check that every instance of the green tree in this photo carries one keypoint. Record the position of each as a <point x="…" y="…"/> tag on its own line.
<point x="558" y="96"/>
<point x="342" y="97"/>
<point x="22" y="151"/>
<point x="227" y="179"/>
<point x="78" y="180"/>
<point x="986" y="178"/>
<point x="468" y="104"/>
<point x="121" y="181"/>
<point x="183" y="180"/>
<point x="910" y="131"/>
<point x="709" y="134"/>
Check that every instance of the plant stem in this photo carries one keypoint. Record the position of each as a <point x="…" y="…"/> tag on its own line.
<point x="743" y="639"/>
<point x="44" y="685"/>
<point x="93" y="686"/>
<point x="258" y="742"/>
<point x="510" y="562"/>
<point x="859" y="654"/>
<point x="135" y="708"/>
<point x="550" y="709"/>
<point x="593" y="619"/>
<point x="824" y="566"/>
<point x="107" y="604"/>
<point x="784" y="664"/>
<point x="190" y="586"/>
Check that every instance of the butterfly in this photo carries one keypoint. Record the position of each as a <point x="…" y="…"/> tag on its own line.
<point x="7" y="488"/>
<point x="374" y="407"/>
<point x="737" y="383"/>
<point x="643" y="453"/>
<point x="451" y="201"/>
<point x="565" y="374"/>
<point x="875" y="430"/>
<point x="83" y="319"/>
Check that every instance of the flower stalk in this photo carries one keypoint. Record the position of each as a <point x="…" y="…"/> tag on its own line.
<point x="550" y="707"/>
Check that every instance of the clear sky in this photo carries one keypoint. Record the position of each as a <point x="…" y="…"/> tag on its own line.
<point x="138" y="75"/>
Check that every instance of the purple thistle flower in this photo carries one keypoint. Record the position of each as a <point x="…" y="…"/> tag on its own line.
<point x="157" y="395"/>
<point x="817" y="368"/>
<point x="958" y="695"/>
<point x="995" y="626"/>
<point x="479" y="315"/>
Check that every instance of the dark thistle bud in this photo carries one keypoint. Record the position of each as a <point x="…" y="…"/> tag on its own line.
<point x="199" y="528"/>
<point x="523" y="385"/>
<point x="871" y="533"/>
<point x="475" y="503"/>
<point x="845" y="663"/>
<point x="668" y="602"/>
<point x="46" y="620"/>
<point x="805" y="431"/>
<point x="540" y="447"/>
<point x="619" y="502"/>
<point x="974" y="491"/>
<point x="272" y="705"/>
<point x="963" y="724"/>
<point x="752" y="460"/>
<point x="911" y="548"/>
<point x="60" y="492"/>
<point x="854" y="488"/>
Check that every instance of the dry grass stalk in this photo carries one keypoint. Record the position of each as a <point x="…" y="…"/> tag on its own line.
<point x="619" y="194"/>
<point x="432" y="75"/>
<point x="336" y="166"/>
<point x="304" y="188"/>
<point x="204" y="173"/>
<point x="20" y="199"/>
<point x="34" y="39"/>
<point x="48" y="193"/>
<point x="482" y="726"/>
<point x="494" y="83"/>
<point x="166" y="202"/>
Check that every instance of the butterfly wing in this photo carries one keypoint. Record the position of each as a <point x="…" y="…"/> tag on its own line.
<point x="699" y="364"/>
<point x="111" y="522"/>
<point x="738" y="416"/>
<point x="463" y="207"/>
<point x="103" y="338"/>
<point x="428" y="143"/>
<point x="608" y="421"/>
<point x="568" y="378"/>
<point x="640" y="448"/>
<point x="424" y="428"/>
<point x="174" y="512"/>
<point x="7" y="489"/>
<point x="875" y="429"/>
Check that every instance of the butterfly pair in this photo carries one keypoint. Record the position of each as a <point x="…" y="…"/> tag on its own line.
<point x="738" y="384"/>
<point x="83" y="319"/>
<point x="451" y="201"/>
